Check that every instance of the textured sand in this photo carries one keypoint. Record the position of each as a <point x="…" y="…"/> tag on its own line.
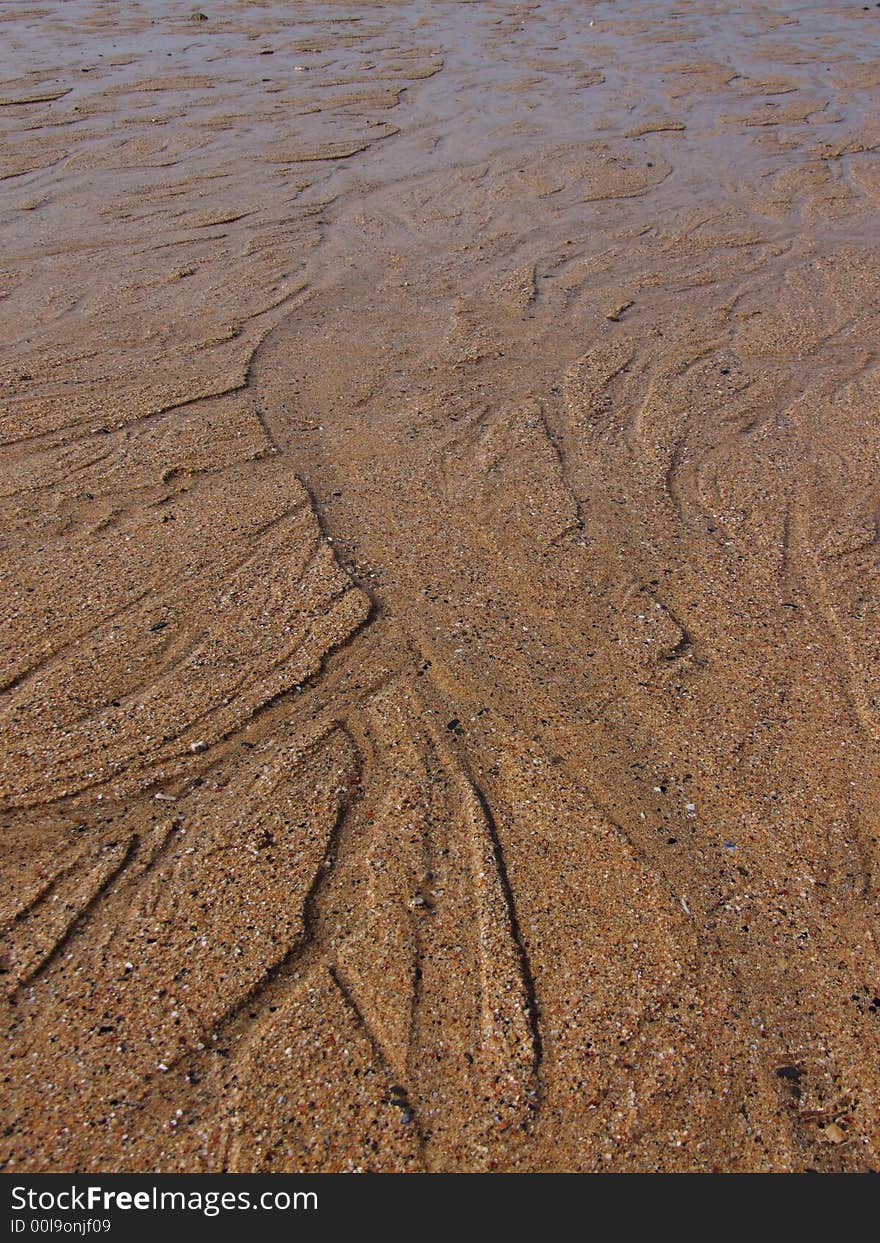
<point x="440" y="585"/>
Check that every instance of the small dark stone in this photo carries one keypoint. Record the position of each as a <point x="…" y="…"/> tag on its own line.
<point x="793" y="1074"/>
<point x="159" y="625"/>
<point x="454" y="725"/>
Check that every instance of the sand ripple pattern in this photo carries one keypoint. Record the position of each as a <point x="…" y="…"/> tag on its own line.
<point x="440" y="618"/>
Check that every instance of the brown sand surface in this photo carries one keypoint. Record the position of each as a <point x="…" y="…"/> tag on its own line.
<point x="440" y="585"/>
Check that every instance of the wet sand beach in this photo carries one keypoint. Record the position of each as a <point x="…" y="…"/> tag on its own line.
<point x="440" y="585"/>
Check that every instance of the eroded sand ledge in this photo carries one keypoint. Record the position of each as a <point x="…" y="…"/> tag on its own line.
<point x="441" y="594"/>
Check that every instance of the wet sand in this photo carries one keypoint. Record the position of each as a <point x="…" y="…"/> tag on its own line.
<point x="440" y="585"/>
